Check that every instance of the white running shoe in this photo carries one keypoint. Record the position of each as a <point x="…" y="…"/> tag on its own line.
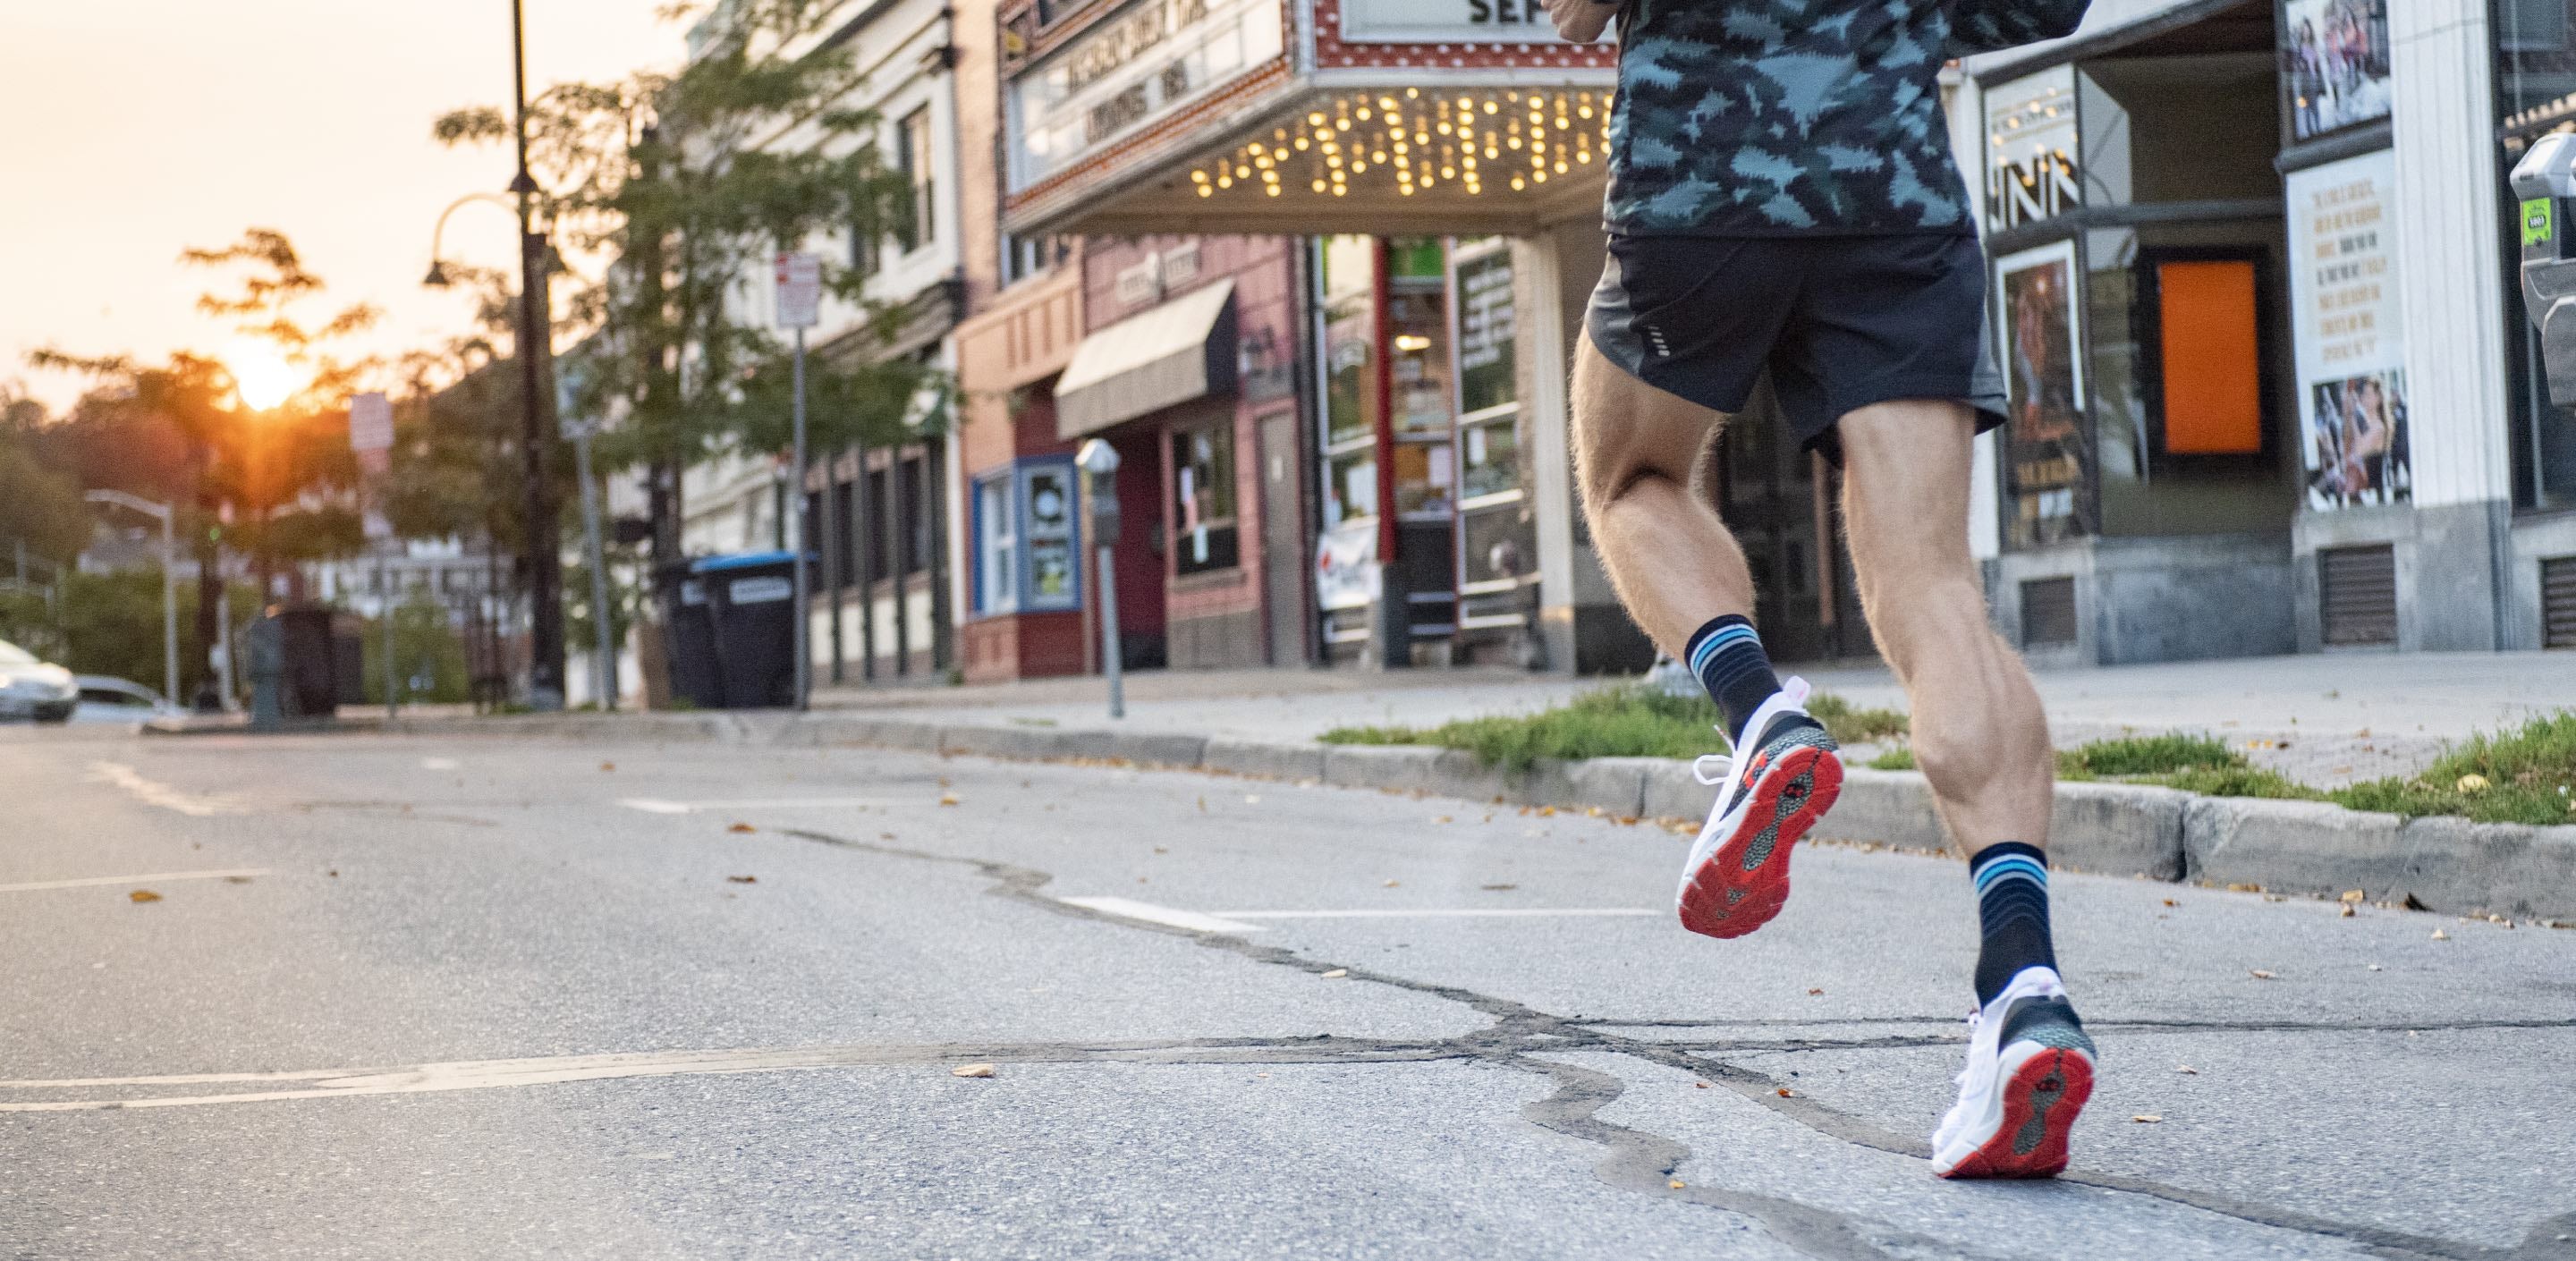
<point x="2030" y="1069"/>
<point x="1737" y="876"/>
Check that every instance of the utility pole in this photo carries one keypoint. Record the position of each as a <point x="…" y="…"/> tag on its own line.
<point x="540" y="544"/>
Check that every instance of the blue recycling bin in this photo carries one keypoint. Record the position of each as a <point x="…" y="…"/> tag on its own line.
<point x="753" y="599"/>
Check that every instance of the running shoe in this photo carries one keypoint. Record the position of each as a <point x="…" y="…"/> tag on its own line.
<point x="1738" y="873"/>
<point x="2030" y="1069"/>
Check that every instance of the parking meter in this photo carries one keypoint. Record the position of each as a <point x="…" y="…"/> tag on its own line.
<point x="2545" y="181"/>
<point x="1099" y="461"/>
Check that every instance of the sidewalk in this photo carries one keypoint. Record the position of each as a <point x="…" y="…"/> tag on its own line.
<point x="2327" y="719"/>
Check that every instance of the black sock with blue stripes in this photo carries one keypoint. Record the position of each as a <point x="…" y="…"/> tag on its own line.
<point x="2012" y="911"/>
<point x="1728" y="658"/>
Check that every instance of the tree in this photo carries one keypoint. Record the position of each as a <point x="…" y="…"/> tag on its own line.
<point x="683" y="185"/>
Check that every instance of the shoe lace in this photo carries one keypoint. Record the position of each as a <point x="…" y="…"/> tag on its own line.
<point x="1700" y="771"/>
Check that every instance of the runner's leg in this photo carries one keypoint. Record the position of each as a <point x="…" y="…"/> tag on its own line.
<point x="1979" y="736"/>
<point x="1636" y="448"/>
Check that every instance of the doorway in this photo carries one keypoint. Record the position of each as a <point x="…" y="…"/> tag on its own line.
<point x="1780" y="502"/>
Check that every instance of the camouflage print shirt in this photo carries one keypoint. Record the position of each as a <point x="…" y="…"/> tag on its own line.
<point x="1798" y="117"/>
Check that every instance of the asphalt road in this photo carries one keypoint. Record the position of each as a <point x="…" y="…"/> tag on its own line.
<point x="447" y="998"/>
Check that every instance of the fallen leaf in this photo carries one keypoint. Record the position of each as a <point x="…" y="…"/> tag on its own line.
<point x="334" y="873"/>
<point x="1701" y="1084"/>
<point x="2347" y="910"/>
<point x="2147" y="1118"/>
<point x="1203" y="803"/>
<point x="2413" y="903"/>
<point x="2473" y="783"/>
<point x="971" y="1070"/>
<point x="948" y="799"/>
<point x="1786" y="1093"/>
<point x="143" y="895"/>
<point x="1391" y="884"/>
<point x="1441" y="818"/>
<point x="741" y="827"/>
<point x="1595" y="812"/>
<point x="1627" y="820"/>
<point x="1547" y="812"/>
<point x="2188" y="1069"/>
<point x="743" y="879"/>
<point x="1815" y="991"/>
<point x="2439" y="935"/>
<point x="2261" y="975"/>
<point x="1337" y="974"/>
<point x="1498" y="888"/>
<point x="2355" y="895"/>
<point x="1675" y="1184"/>
<point x="608" y="766"/>
<point x="2244" y="888"/>
<point x="2171" y="902"/>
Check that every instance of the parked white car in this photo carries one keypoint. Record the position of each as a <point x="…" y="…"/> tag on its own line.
<point x="106" y="698"/>
<point x="30" y="688"/>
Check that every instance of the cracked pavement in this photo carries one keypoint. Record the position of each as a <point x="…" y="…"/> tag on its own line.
<point x="512" y="997"/>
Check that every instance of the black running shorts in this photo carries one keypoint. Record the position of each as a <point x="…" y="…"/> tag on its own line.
<point x="1841" y="322"/>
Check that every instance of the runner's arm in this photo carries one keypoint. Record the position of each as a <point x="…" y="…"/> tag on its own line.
<point x="1581" y="20"/>
<point x="1985" y="26"/>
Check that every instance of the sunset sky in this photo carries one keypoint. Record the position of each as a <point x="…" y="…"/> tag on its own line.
<point x="142" y="127"/>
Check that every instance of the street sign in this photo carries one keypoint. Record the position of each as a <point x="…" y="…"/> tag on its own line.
<point x="800" y="290"/>
<point x="371" y="422"/>
<point x="572" y="378"/>
<point x="371" y="431"/>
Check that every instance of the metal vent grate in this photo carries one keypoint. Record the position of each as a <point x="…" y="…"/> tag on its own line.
<point x="2048" y="611"/>
<point x="2357" y="594"/>
<point x="2558" y="602"/>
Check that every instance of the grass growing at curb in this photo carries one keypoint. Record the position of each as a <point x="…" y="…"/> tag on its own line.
<point x="1620" y="720"/>
<point x="2525" y="775"/>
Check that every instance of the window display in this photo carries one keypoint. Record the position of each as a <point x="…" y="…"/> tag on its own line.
<point x="2044" y="386"/>
<point x="1203" y="517"/>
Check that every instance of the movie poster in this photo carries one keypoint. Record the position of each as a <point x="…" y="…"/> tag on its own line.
<point x="2351" y="344"/>
<point x="2334" y="63"/>
<point x="2042" y="352"/>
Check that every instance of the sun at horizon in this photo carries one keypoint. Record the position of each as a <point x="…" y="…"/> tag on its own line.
<point x="262" y="376"/>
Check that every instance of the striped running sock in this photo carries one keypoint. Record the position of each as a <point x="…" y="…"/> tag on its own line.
<point x="2012" y="910"/>
<point x="1728" y="658"/>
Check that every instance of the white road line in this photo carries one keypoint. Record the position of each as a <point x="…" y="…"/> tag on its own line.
<point x="1128" y="908"/>
<point x="158" y="877"/>
<point x="156" y="794"/>
<point x="464" y="1075"/>
<point x="1427" y="912"/>
<point x="655" y="805"/>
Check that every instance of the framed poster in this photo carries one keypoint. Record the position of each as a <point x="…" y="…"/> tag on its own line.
<point x="2036" y="309"/>
<point x="2351" y="338"/>
<point x="2334" y="64"/>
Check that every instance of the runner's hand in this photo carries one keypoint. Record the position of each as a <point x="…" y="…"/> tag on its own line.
<point x="1581" y="20"/>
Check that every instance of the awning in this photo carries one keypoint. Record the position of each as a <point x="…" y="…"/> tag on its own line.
<point x="1181" y="350"/>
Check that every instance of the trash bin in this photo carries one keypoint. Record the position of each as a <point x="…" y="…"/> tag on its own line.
<point x="309" y="675"/>
<point x="349" y="658"/>
<point x="689" y="636"/>
<point x="753" y="596"/>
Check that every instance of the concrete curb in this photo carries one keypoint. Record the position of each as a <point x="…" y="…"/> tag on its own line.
<point x="2304" y="847"/>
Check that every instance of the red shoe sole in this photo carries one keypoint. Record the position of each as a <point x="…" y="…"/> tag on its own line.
<point x="2040" y="1105"/>
<point x="1724" y="900"/>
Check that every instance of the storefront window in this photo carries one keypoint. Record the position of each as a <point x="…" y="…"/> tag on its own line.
<point x="1350" y="488"/>
<point x="2043" y="436"/>
<point x="1203" y="499"/>
<point x="1051" y="541"/>
<point x="2536" y="93"/>
<point x="997" y="552"/>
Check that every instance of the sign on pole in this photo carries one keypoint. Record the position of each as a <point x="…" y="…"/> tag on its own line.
<point x="371" y="430"/>
<point x="800" y="290"/>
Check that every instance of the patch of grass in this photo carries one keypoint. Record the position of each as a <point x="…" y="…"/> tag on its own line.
<point x="2148" y="755"/>
<point x="1620" y="720"/>
<point x="1899" y="758"/>
<point x="2523" y="775"/>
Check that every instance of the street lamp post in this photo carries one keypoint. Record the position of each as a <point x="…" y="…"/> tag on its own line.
<point x="542" y="547"/>
<point x="169" y="590"/>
